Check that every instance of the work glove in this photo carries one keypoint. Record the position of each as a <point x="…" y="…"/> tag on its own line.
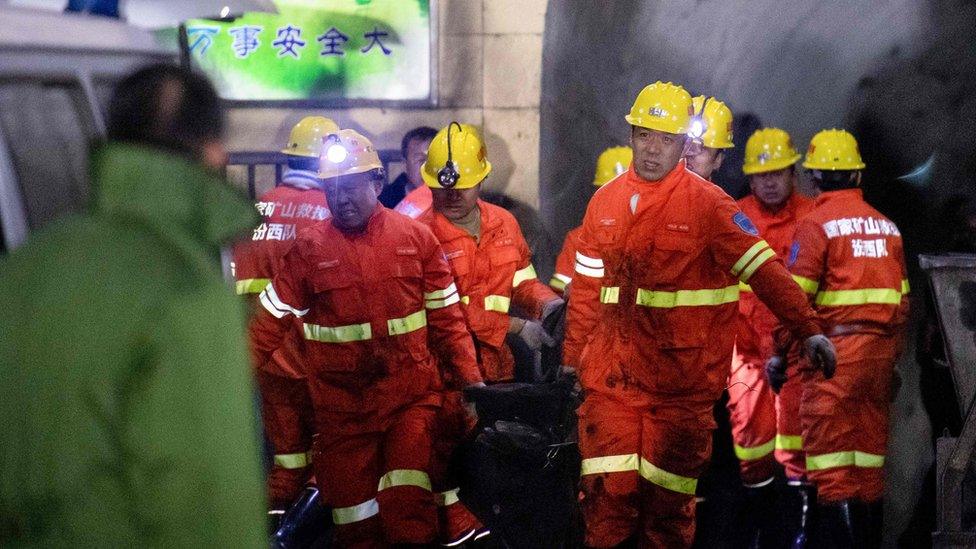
<point x="776" y="372"/>
<point x="821" y="354"/>
<point x="553" y="306"/>
<point x="532" y="334"/>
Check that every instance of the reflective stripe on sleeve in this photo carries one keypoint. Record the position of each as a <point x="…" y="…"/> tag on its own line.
<point x="441" y="298"/>
<point x="609" y="464"/>
<point x="559" y="281"/>
<point x="864" y="296"/>
<point x="404" y="477"/>
<point x="356" y="513"/>
<point x="293" y="461"/>
<point x="407" y="324"/>
<point x="664" y="479"/>
<point x="687" y="298"/>
<point x="743" y="287"/>
<point x="789" y="442"/>
<point x="589" y="266"/>
<point x="752" y="453"/>
<point x="746" y="259"/>
<point x="274" y="305"/>
<point x="905" y="288"/>
<point x="522" y="275"/>
<point x="251" y="285"/>
<point x="497" y="303"/>
<point x="338" y="334"/>
<point x="441" y="303"/>
<point x="447" y="498"/>
<point x="808" y="285"/>
<point x="610" y="294"/>
<point x="844" y="459"/>
<point x="760" y="260"/>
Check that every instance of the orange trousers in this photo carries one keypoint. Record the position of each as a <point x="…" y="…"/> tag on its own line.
<point x="752" y="414"/>
<point x="845" y="419"/>
<point x="286" y="411"/>
<point x="641" y="459"/>
<point x="789" y="429"/>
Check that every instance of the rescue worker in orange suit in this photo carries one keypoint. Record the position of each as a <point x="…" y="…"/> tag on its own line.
<point x="417" y="202"/>
<point x="657" y="271"/>
<point x="850" y="259"/>
<point x="296" y="203"/>
<point x="493" y="270"/>
<point x="611" y="163"/>
<point x="376" y="301"/>
<point x="766" y="426"/>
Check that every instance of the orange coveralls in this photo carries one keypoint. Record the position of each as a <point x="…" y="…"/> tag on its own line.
<point x="417" y="202"/>
<point x="374" y="309"/>
<point x="762" y="422"/>
<point x="850" y="259"/>
<point x="565" y="262"/>
<point x="654" y="295"/>
<point x="493" y="274"/>
<point x="286" y="410"/>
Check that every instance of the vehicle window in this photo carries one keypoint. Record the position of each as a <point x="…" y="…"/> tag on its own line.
<point x="48" y="129"/>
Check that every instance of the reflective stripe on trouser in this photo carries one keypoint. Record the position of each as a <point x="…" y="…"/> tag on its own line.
<point x="789" y="430"/>
<point x="845" y="420"/>
<point x="376" y="483"/>
<point x="451" y="425"/>
<point x="752" y="415"/>
<point x="286" y="412"/>
<point x="639" y="470"/>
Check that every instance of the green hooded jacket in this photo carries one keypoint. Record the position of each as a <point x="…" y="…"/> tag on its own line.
<point x="125" y="390"/>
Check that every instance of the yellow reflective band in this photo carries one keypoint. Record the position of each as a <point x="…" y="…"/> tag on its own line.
<point x="407" y="324"/>
<point x="808" y="285"/>
<point x="610" y="294"/>
<point x="556" y="283"/>
<point x="664" y="479"/>
<point x="404" y="477"/>
<point x="293" y="461"/>
<point x="441" y="294"/>
<point x="743" y="287"/>
<point x="465" y="299"/>
<point x="449" y="497"/>
<point x="251" y="285"/>
<point x="866" y="296"/>
<point x="789" y="442"/>
<point x="687" y="298"/>
<point x="497" y="303"/>
<point x="441" y="303"/>
<point x="609" y="464"/>
<point x="356" y="513"/>
<point x="864" y="459"/>
<point x="845" y="459"/>
<point x="760" y="260"/>
<point x="522" y="275"/>
<point x="905" y="288"/>
<point x="338" y="334"/>
<point x="753" y="453"/>
<point x="750" y="254"/>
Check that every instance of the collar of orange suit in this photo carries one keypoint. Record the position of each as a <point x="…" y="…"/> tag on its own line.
<point x="843" y="194"/>
<point x="644" y="186"/>
<point x="446" y="231"/>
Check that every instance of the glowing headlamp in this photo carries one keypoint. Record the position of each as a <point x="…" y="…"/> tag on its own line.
<point x="335" y="152"/>
<point x="697" y="128"/>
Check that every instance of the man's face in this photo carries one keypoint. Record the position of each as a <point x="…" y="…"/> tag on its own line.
<point x="655" y="153"/>
<point x="456" y="204"/>
<point x="352" y="199"/>
<point x="772" y="189"/>
<point x="416" y="156"/>
<point x="706" y="161"/>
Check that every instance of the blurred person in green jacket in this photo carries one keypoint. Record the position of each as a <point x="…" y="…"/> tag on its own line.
<point x="125" y="395"/>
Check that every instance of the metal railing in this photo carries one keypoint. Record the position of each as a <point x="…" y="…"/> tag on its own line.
<point x="252" y="160"/>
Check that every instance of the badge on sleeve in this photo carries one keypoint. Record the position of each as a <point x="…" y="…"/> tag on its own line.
<point x="794" y="254"/>
<point x="743" y="222"/>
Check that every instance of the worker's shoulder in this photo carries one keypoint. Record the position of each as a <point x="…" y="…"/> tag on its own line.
<point x="495" y="212"/>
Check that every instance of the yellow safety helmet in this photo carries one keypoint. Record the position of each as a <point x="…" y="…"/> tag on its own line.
<point x="662" y="106"/>
<point x="611" y="163"/>
<point x="833" y="150"/>
<point x="306" y="136"/>
<point x="768" y="150"/>
<point x="347" y="153"/>
<point x="458" y="163"/>
<point x="712" y="123"/>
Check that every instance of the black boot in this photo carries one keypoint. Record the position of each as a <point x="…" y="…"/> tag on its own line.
<point x="875" y="523"/>
<point x="802" y="497"/>
<point x="755" y="519"/>
<point x="303" y="523"/>
<point x="836" y="525"/>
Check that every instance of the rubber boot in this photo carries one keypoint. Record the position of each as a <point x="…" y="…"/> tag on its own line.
<point x="875" y="524"/>
<point x="303" y="523"/>
<point x="836" y="525"/>
<point x="755" y="520"/>
<point x="804" y="498"/>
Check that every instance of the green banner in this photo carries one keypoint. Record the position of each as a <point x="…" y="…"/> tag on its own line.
<point x="335" y="50"/>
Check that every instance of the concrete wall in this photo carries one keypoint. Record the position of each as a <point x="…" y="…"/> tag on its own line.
<point x="490" y="59"/>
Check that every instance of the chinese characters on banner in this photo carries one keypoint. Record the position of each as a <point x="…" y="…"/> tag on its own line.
<point x="288" y="41"/>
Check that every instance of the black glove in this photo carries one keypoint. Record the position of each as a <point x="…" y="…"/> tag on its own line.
<point x="822" y="355"/>
<point x="776" y="372"/>
<point x="534" y="335"/>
